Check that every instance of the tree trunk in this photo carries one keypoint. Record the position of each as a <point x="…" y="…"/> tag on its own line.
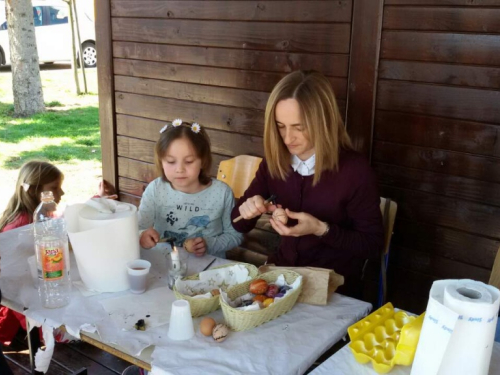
<point x="26" y="82"/>
<point x="73" y="47"/>
<point x="79" y="42"/>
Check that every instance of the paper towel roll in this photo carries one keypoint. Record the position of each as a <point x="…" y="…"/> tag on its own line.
<point x="459" y="328"/>
<point x="103" y="244"/>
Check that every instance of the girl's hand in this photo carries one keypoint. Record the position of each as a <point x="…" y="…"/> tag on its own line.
<point x="254" y="207"/>
<point x="307" y="224"/>
<point x="106" y="190"/>
<point x="149" y="238"/>
<point x="196" y="245"/>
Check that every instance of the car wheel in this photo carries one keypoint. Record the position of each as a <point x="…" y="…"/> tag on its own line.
<point x="89" y="54"/>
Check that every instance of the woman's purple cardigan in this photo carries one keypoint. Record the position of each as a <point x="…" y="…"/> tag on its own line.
<point x="347" y="199"/>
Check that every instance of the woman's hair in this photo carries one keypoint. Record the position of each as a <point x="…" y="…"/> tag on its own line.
<point x="320" y="117"/>
<point x="199" y="140"/>
<point x="32" y="176"/>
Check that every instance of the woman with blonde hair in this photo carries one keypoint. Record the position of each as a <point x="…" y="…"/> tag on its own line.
<point x="328" y="190"/>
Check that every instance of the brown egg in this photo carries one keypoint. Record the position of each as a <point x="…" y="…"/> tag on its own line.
<point x="207" y="325"/>
<point x="280" y="215"/>
<point x="220" y="332"/>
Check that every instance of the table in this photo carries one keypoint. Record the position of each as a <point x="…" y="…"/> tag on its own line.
<point x="287" y="345"/>
<point x="343" y="363"/>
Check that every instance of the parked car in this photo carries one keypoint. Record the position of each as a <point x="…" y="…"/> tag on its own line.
<point x="53" y="33"/>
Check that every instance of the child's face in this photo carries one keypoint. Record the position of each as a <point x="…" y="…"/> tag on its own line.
<point x="56" y="188"/>
<point x="182" y="166"/>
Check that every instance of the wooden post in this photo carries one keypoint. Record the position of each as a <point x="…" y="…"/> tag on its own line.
<point x="105" y="82"/>
<point x="363" y="72"/>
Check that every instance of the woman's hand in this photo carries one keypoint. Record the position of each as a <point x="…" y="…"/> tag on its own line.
<point x="196" y="245"/>
<point x="254" y="207"/>
<point x="307" y="224"/>
<point x="106" y="190"/>
<point x="149" y="238"/>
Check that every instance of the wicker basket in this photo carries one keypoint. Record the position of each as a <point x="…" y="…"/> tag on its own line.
<point x="239" y="320"/>
<point x="203" y="306"/>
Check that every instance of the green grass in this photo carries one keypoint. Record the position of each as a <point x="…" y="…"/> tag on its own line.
<point x="67" y="135"/>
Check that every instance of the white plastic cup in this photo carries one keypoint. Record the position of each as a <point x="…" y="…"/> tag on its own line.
<point x="33" y="270"/>
<point x="138" y="271"/>
<point x="181" y="323"/>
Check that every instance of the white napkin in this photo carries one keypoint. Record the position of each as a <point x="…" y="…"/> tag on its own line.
<point x="107" y="206"/>
<point x="219" y="278"/>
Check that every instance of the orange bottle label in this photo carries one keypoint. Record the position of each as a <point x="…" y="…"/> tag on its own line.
<point x="52" y="262"/>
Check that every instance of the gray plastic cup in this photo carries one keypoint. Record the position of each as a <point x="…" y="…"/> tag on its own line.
<point x="138" y="271"/>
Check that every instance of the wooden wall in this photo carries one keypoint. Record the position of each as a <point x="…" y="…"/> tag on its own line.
<point x="435" y="146"/>
<point x="418" y="81"/>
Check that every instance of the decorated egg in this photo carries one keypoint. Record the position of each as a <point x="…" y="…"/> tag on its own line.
<point x="280" y="215"/>
<point x="272" y="290"/>
<point x="259" y="297"/>
<point x="207" y="325"/>
<point x="220" y="332"/>
<point x="279" y="295"/>
<point x="268" y="301"/>
<point x="258" y="286"/>
<point x="215" y="292"/>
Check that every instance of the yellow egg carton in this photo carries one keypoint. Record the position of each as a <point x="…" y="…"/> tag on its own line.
<point x="386" y="338"/>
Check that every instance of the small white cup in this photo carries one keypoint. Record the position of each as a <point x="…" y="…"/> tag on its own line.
<point x="137" y="271"/>
<point x="181" y="323"/>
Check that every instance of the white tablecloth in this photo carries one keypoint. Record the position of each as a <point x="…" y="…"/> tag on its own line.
<point x="343" y="363"/>
<point x="287" y="345"/>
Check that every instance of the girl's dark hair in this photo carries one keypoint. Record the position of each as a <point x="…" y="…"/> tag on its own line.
<point x="200" y="142"/>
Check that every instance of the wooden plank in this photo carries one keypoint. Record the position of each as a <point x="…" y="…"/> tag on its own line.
<point x="120" y="354"/>
<point x="106" y="89"/>
<point x="237" y="120"/>
<point x="137" y="149"/>
<point x="133" y="187"/>
<point x="192" y="92"/>
<point x="146" y="172"/>
<point x="298" y="37"/>
<point x="463" y="3"/>
<point x="205" y="75"/>
<point x="289" y="11"/>
<point x="447" y="74"/>
<point x="480" y="20"/>
<point x="128" y="198"/>
<point x="437" y="183"/>
<point x="435" y="160"/>
<point x="436" y="266"/>
<point x="366" y="25"/>
<point x="136" y="170"/>
<point x="230" y="144"/>
<point x="408" y="290"/>
<point x="466" y="216"/>
<point x="441" y="47"/>
<point x="437" y="132"/>
<point x="100" y="356"/>
<point x="453" y="102"/>
<point x="445" y="242"/>
<point x="335" y="65"/>
<point x="495" y="272"/>
<point x="73" y="360"/>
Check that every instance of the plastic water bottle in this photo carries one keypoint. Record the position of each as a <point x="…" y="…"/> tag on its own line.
<point x="52" y="253"/>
